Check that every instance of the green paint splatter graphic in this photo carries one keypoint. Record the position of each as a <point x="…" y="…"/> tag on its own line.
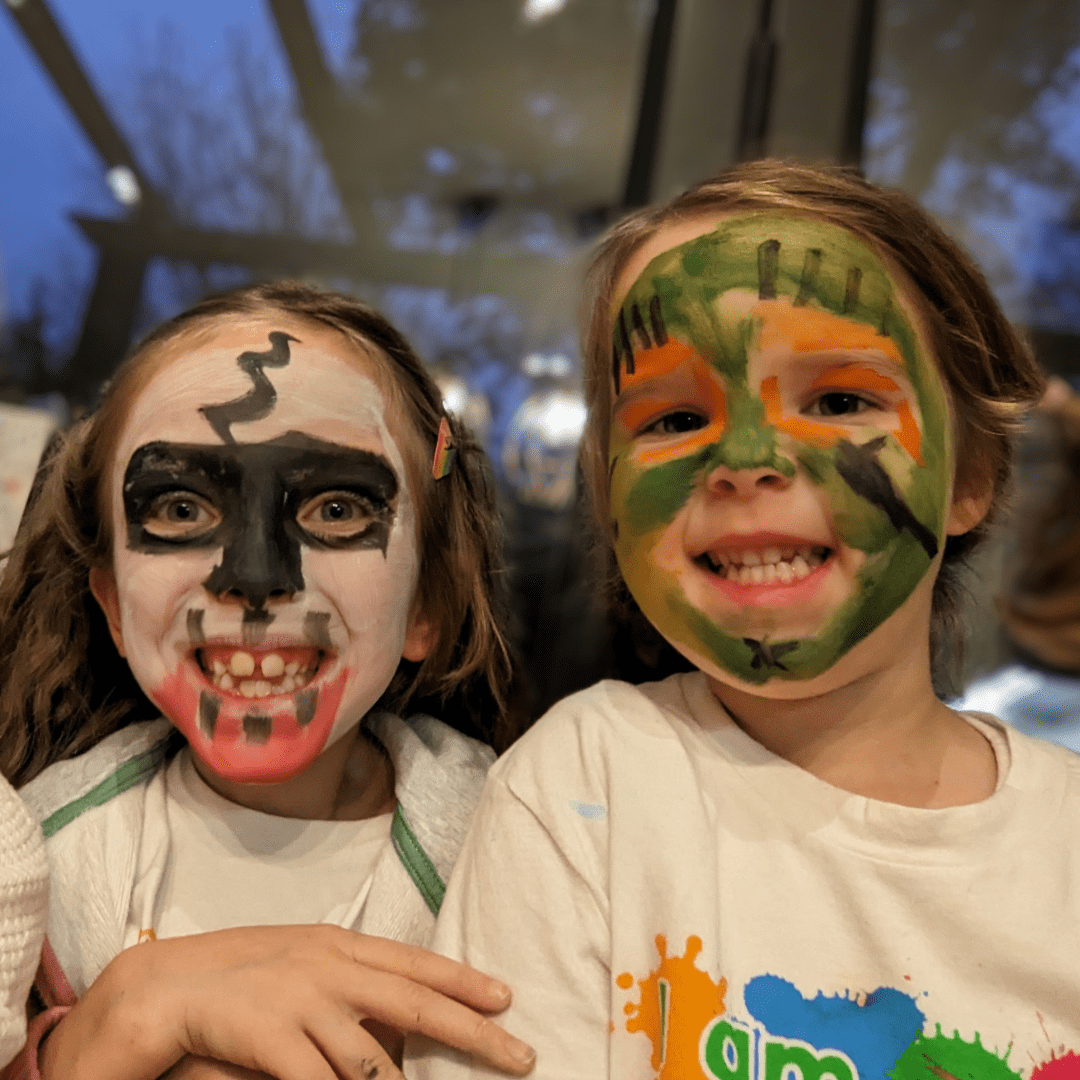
<point x="938" y="1057"/>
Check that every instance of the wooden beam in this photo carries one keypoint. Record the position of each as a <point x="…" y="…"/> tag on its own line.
<point x="522" y="277"/>
<point x="44" y="35"/>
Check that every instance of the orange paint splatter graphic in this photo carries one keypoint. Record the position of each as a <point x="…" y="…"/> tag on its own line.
<point x="676" y="1004"/>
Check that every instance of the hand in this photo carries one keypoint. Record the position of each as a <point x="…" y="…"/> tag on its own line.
<point x="282" y="1000"/>
<point x="195" y="1068"/>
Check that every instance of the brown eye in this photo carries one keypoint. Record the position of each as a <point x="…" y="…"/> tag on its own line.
<point x="181" y="515"/>
<point x="335" y="515"/>
<point x="838" y="403"/>
<point x="676" y="423"/>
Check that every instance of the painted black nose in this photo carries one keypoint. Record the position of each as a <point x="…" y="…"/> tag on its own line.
<point x="260" y="560"/>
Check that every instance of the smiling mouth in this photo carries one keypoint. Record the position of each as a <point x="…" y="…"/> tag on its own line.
<point x="765" y="566"/>
<point x="259" y="673"/>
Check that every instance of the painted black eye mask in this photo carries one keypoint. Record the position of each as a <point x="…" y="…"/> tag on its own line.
<point x="258" y="489"/>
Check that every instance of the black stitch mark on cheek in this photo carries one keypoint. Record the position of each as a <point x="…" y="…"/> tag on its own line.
<point x="851" y="291"/>
<point x="209" y="706"/>
<point x="195" y="626"/>
<point x="860" y="470"/>
<point x="258" y="402"/>
<point x="767" y="655"/>
<point x="768" y="266"/>
<point x="317" y="629"/>
<point x="257" y="728"/>
<point x="811" y="266"/>
<point x="254" y="623"/>
<point x="306" y="701"/>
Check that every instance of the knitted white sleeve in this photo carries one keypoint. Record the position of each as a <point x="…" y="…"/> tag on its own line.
<point x="24" y="901"/>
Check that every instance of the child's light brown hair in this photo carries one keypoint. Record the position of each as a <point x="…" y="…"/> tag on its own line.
<point x="64" y="687"/>
<point x="991" y="375"/>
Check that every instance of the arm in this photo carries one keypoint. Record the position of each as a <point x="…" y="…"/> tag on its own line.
<point x="527" y="902"/>
<point x="287" y="1001"/>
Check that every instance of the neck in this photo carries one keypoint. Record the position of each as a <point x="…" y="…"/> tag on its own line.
<point x="884" y="735"/>
<point x="350" y="780"/>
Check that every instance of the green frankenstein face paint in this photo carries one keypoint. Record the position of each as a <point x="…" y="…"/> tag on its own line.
<point x="780" y="452"/>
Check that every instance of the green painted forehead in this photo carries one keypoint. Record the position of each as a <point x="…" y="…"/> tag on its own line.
<point x="779" y="256"/>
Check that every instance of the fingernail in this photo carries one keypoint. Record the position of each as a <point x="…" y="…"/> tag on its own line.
<point x="521" y="1053"/>
<point x="501" y="993"/>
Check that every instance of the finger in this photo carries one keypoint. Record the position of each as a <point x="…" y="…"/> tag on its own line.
<point x="353" y="1051"/>
<point x="413" y="1008"/>
<point x="459" y="981"/>
<point x="200" y="1068"/>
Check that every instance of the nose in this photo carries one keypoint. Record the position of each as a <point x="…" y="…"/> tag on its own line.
<point x="745" y="483"/>
<point x="260" y="563"/>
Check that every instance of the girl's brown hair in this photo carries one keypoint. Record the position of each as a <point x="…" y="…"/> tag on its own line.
<point x="991" y="375"/>
<point x="63" y="685"/>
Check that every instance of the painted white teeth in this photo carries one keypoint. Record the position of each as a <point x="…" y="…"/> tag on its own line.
<point x="273" y="666"/>
<point x="242" y="664"/>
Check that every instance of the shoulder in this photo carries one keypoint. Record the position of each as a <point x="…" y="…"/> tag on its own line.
<point x="611" y="726"/>
<point x="121" y="762"/>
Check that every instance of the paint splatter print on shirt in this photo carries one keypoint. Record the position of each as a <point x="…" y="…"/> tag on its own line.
<point x="881" y="1034"/>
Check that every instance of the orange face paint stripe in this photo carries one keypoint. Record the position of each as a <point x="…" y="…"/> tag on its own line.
<point x="659" y="360"/>
<point x="859" y="378"/>
<point x="694" y="441"/>
<point x="796" y="426"/>
<point x="809" y="329"/>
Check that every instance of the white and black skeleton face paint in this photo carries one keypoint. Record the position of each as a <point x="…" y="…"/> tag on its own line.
<point x="265" y="555"/>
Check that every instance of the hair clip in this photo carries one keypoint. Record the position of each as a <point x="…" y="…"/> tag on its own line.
<point x="443" y="461"/>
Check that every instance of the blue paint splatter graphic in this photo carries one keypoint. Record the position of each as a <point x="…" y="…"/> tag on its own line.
<point x="873" y="1034"/>
<point x="589" y="811"/>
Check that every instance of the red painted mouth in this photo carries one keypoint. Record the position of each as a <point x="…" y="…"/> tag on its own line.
<point x="766" y="569"/>
<point x="262" y="734"/>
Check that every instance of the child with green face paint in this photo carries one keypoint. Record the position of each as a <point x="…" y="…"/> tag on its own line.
<point x="792" y="860"/>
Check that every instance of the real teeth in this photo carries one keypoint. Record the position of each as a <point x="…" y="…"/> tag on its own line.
<point x="241" y="664"/>
<point x="768" y="566"/>
<point x="273" y="667"/>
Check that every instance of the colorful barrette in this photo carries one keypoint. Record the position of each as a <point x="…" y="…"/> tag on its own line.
<point x="443" y="461"/>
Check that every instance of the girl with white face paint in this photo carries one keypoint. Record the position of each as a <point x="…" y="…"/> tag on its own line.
<point x="270" y="536"/>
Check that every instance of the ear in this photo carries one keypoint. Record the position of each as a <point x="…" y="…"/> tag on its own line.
<point x="420" y="636"/>
<point x="968" y="510"/>
<point x="103" y="586"/>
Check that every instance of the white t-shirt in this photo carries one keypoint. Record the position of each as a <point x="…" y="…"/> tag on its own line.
<point x="206" y="863"/>
<point x="669" y="900"/>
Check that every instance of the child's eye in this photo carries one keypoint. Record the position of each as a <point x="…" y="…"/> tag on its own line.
<point x="335" y="515"/>
<point x="180" y="515"/>
<point x="840" y="403"/>
<point x="675" y="423"/>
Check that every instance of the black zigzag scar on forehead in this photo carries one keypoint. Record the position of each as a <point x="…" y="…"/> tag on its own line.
<point x="811" y="266"/>
<point x="768" y="266"/>
<point x="258" y="402"/>
<point x="650" y="336"/>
